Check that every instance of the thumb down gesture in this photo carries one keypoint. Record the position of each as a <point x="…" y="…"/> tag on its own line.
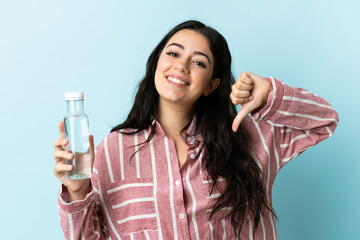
<point x="251" y="91"/>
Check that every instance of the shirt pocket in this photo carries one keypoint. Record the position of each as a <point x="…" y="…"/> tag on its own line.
<point x="132" y="207"/>
<point x="207" y="183"/>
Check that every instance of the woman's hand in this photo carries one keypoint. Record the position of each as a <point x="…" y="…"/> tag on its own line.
<point x="77" y="188"/>
<point x="251" y="91"/>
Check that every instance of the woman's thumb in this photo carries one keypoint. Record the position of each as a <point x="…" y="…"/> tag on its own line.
<point x="239" y="118"/>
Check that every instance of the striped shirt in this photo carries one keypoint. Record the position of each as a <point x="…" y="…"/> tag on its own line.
<point x="151" y="197"/>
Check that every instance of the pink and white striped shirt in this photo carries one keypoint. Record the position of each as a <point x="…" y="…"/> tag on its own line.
<point x="151" y="197"/>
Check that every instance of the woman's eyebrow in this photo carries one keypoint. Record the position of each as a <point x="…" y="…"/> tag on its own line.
<point x="195" y="52"/>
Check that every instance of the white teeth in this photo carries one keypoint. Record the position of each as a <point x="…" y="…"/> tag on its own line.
<point x="175" y="80"/>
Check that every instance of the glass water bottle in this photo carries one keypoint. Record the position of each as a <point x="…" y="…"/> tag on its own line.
<point x="76" y="129"/>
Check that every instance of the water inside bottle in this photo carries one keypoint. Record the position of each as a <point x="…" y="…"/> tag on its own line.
<point x="82" y="165"/>
<point x="77" y="132"/>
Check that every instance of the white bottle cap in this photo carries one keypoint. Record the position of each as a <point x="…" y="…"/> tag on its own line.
<point x="74" y="96"/>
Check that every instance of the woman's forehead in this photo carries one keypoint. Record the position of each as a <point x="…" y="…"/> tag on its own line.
<point x="191" y="40"/>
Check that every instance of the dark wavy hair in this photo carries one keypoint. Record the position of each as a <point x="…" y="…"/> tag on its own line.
<point x="228" y="154"/>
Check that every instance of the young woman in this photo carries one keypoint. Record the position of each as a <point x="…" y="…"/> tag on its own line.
<point x="185" y="164"/>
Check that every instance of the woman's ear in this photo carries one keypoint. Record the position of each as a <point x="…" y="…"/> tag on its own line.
<point x="213" y="84"/>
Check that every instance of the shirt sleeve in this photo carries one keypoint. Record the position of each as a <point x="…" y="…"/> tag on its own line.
<point x="83" y="219"/>
<point x="297" y="118"/>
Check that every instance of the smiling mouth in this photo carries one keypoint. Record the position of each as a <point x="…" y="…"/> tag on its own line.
<point x="176" y="80"/>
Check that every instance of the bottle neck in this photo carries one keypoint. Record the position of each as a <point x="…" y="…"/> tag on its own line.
<point x="75" y="106"/>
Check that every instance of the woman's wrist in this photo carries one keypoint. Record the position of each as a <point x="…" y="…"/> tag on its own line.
<point x="269" y="90"/>
<point x="80" y="194"/>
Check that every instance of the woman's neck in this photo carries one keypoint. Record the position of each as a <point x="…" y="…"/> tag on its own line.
<point x="173" y="117"/>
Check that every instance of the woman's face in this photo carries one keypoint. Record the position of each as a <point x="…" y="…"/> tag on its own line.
<point x="184" y="69"/>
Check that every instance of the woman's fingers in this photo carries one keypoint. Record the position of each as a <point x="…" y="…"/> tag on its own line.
<point x="61" y="168"/>
<point x="63" y="155"/>
<point x="241" y="94"/>
<point x="245" y="77"/>
<point x="240" y="85"/>
<point x="60" y="156"/>
<point x="240" y="100"/>
<point x="60" y="143"/>
<point x="61" y="129"/>
<point x="241" y="90"/>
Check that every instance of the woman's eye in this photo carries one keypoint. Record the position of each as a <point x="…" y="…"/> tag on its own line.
<point x="200" y="64"/>
<point x="172" y="54"/>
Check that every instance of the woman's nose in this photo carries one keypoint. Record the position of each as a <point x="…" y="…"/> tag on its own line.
<point x="182" y="65"/>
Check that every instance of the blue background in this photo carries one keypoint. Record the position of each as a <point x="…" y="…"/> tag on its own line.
<point x="100" y="47"/>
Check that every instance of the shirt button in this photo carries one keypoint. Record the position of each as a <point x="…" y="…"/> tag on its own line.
<point x="177" y="182"/>
<point x="189" y="139"/>
<point x="192" y="156"/>
<point x="181" y="216"/>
